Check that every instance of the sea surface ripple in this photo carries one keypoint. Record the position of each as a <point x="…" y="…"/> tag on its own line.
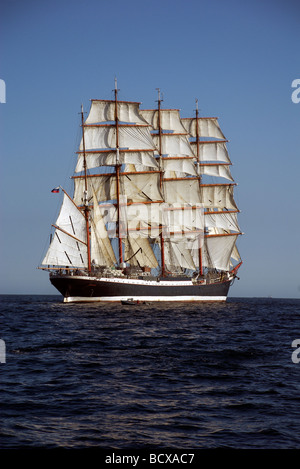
<point x="208" y="375"/>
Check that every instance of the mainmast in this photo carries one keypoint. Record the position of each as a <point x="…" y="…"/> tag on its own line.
<point x="86" y="207"/>
<point x="118" y="167"/>
<point x="199" y="176"/>
<point x="162" y="251"/>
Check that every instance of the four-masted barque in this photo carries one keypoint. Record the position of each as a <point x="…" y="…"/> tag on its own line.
<point x="147" y="221"/>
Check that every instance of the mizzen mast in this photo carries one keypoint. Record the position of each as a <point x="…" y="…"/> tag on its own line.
<point x="199" y="176"/>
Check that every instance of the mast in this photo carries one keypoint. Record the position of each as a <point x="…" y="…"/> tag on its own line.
<point x="199" y="176"/>
<point x="86" y="208"/>
<point x="180" y="188"/>
<point x="118" y="166"/>
<point x="221" y="224"/>
<point x="162" y="249"/>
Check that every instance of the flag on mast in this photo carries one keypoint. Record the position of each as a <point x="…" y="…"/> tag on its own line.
<point x="55" y="190"/>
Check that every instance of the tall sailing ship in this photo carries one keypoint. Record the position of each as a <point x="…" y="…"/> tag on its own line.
<point x="147" y="221"/>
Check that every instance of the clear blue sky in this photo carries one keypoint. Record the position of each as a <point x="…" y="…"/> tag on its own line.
<point x="239" y="58"/>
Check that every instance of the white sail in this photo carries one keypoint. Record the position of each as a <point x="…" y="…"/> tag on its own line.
<point x="134" y="137"/>
<point x="144" y="220"/>
<point x="185" y="191"/>
<point x="104" y="111"/>
<point x="217" y="251"/>
<point x="68" y="245"/>
<point x="104" y="187"/>
<point x="71" y="219"/>
<point x="226" y="221"/>
<point x="109" y="158"/>
<point x="235" y="254"/>
<point x="207" y="127"/>
<point x="216" y="170"/>
<point x="138" y="187"/>
<point x="180" y="165"/>
<point x="169" y="119"/>
<point x="178" y="255"/>
<point x="182" y="219"/>
<point x="218" y="196"/>
<point x="211" y="151"/>
<point x="101" y="250"/>
<point x="65" y="251"/>
<point x="140" y="252"/>
<point x="174" y="144"/>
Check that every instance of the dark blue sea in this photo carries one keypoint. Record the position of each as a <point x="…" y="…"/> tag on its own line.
<point x="201" y="376"/>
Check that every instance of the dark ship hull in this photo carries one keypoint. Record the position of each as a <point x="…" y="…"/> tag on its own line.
<point x="79" y="288"/>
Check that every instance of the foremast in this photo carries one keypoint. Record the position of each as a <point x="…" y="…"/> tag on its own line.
<point x="199" y="176"/>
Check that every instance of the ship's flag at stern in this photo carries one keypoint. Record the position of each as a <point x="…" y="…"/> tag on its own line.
<point x="55" y="190"/>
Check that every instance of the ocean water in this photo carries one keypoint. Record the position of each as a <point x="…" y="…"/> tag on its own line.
<point x="200" y="376"/>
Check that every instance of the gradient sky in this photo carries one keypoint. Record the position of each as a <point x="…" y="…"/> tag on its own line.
<point x="238" y="58"/>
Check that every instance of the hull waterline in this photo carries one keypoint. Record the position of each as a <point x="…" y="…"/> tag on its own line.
<point x="92" y="289"/>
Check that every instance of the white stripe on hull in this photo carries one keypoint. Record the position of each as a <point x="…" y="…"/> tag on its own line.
<point x="131" y="281"/>
<point x="81" y="299"/>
